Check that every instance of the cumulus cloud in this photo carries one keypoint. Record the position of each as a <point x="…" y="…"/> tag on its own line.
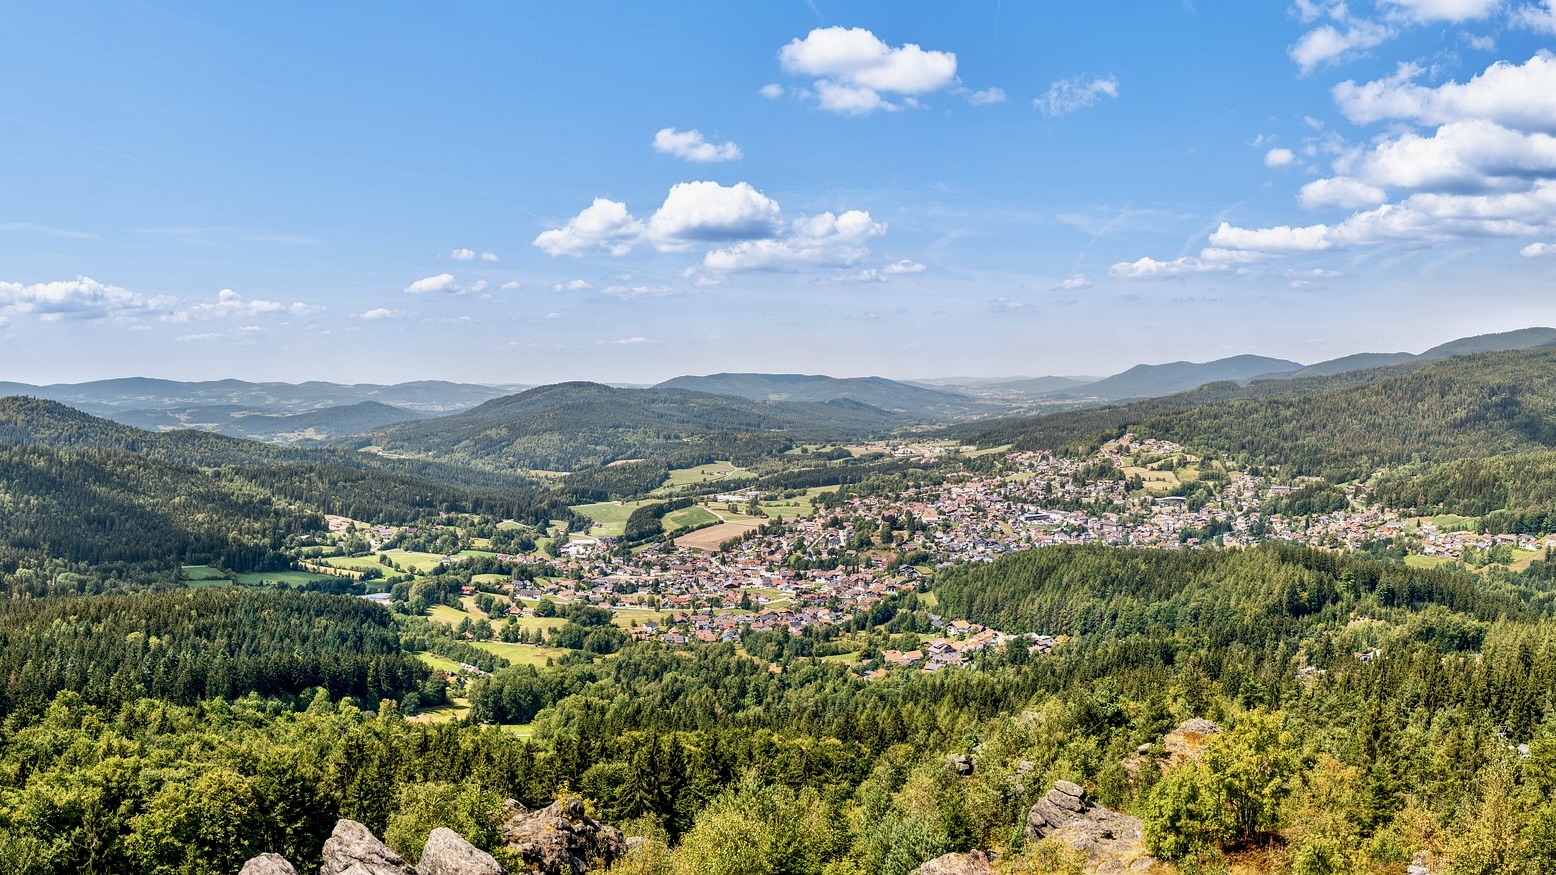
<point x="628" y="341"/>
<point x="231" y="305"/>
<point x="690" y="146"/>
<point x="1518" y="96"/>
<point x="857" y="73"/>
<point x="378" y="313"/>
<point x="472" y="255"/>
<point x="1343" y="192"/>
<point x="443" y="282"/>
<point x="603" y="225"/>
<point x="1330" y="44"/>
<point x="79" y="298"/>
<point x="510" y="285"/>
<point x="1538" y="250"/>
<point x="904" y="266"/>
<point x="771" y="91"/>
<point x="736" y="226"/>
<point x="1068" y="95"/>
<point x="1540" y="17"/>
<point x="1073" y="282"/>
<point x="572" y="286"/>
<point x="1426" y="11"/>
<point x="1279" y="158"/>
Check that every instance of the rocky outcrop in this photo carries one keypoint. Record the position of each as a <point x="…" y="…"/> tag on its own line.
<point x="1112" y="842"/>
<point x="1188" y="740"/>
<point x="353" y="850"/>
<point x="959" y="764"/>
<point x="561" y="839"/>
<point x="446" y="853"/>
<point x="267" y="864"/>
<point x="973" y="863"/>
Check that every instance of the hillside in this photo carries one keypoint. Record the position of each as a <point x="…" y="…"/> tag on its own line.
<point x="905" y="399"/>
<point x="265" y="425"/>
<point x="1340" y="427"/>
<point x="575" y="425"/>
<point x="1041" y="385"/>
<point x="1151" y="381"/>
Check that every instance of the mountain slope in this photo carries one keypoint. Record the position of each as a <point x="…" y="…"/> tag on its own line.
<point x="1150" y="381"/>
<point x="889" y="395"/>
<point x="264" y="425"/>
<point x="574" y="425"/>
<point x="1042" y="385"/>
<point x="1523" y="338"/>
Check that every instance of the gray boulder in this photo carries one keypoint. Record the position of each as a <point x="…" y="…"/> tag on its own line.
<point x="972" y="863"/>
<point x="268" y="864"/>
<point x="353" y="850"/>
<point x="561" y="839"/>
<point x="446" y="853"/>
<point x="960" y="764"/>
<point x="1112" y="842"/>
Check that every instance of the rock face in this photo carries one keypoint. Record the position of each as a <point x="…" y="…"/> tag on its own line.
<point x="1188" y="740"/>
<point x="974" y="863"/>
<point x="1112" y="841"/>
<point x="446" y="853"/>
<point x="960" y="764"/>
<point x="561" y="839"/>
<point x="352" y="850"/>
<point x="267" y="864"/>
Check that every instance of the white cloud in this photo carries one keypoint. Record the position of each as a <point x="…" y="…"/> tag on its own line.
<point x="1518" y="96"/>
<point x="1460" y="156"/>
<point x="903" y="267"/>
<point x="572" y="286"/>
<point x="629" y="341"/>
<point x="1074" y="282"/>
<point x="1340" y="191"/>
<point x="1540" y="18"/>
<point x="1068" y="95"/>
<point x="1478" y="42"/>
<point x="825" y="240"/>
<point x="986" y="96"/>
<point x="854" y="70"/>
<point x="639" y="290"/>
<point x="1538" y="250"/>
<point x="378" y="313"/>
<point x="707" y="211"/>
<point x="231" y="305"/>
<point x="443" y="282"/>
<point x="80" y="298"/>
<point x="1279" y="158"/>
<point x="690" y="146"/>
<point x="1282" y="238"/>
<point x="603" y="225"/>
<point x="1425" y="11"/>
<point x="479" y="286"/>
<point x="462" y="254"/>
<point x="771" y="91"/>
<point x="863" y="275"/>
<point x="1330" y="44"/>
<point x="510" y="285"/>
<point x="1150" y="268"/>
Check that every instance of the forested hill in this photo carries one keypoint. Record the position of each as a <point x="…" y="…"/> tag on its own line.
<point x="575" y="425"/>
<point x="1340" y="427"/>
<point x="906" y="399"/>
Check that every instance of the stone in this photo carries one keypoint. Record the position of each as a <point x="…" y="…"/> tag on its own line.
<point x="972" y="863"/>
<point x="353" y="850"/>
<point x="268" y="864"/>
<point x="1187" y="741"/>
<point x="562" y="839"/>
<point x="1112" y="842"/>
<point x="447" y="853"/>
<point x="1070" y="789"/>
<point x="961" y="764"/>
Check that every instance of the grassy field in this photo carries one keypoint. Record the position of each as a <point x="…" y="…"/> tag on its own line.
<point x="799" y="506"/>
<point x="611" y="516"/>
<point x="627" y="617"/>
<point x="521" y="654"/>
<point x="425" y="563"/>
<point x="489" y="578"/>
<point x="716" y="472"/>
<point x="438" y="663"/>
<point x="354" y="563"/>
<point x="687" y="517"/>
<point x="196" y="573"/>
<point x="1450" y="522"/>
<point x="446" y="614"/>
<point x="290" y="578"/>
<point x="1155" y="481"/>
<point x="710" y="538"/>
<point x="1427" y="561"/>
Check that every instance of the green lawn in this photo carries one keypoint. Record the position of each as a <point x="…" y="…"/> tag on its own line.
<point x="196" y="573"/>
<point x="718" y="472"/>
<point x="446" y="614"/>
<point x="521" y="654"/>
<point x="1451" y="522"/>
<point x="1416" y="562"/>
<point x="290" y="578"/>
<point x="611" y="515"/>
<point x="636" y="616"/>
<point x="688" y="517"/>
<point x="438" y="663"/>
<point x="425" y="563"/>
<point x="489" y="578"/>
<point x="354" y="563"/>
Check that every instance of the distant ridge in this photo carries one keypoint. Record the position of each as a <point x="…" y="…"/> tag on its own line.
<point x="1151" y="381"/>
<point x="145" y="393"/>
<point x="891" y="395"/>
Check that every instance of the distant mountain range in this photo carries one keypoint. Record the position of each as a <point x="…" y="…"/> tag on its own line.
<point x="143" y="393"/>
<point x="263" y="425"/>
<point x="892" y="396"/>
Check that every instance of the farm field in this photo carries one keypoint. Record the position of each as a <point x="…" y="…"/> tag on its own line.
<point x="290" y="578"/>
<point x="424" y="563"/>
<point x="687" y="517"/>
<point x="710" y="538"/>
<point x="715" y="472"/>
<point x="611" y="517"/>
<point x="798" y="506"/>
<point x="521" y="654"/>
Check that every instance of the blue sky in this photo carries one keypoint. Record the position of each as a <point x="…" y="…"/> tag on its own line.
<point x="526" y="193"/>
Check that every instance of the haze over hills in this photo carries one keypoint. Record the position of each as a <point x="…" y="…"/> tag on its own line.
<point x="264" y="425"/>
<point x="889" y="395"/>
<point x="1150" y="381"/>
<point x="144" y="393"/>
